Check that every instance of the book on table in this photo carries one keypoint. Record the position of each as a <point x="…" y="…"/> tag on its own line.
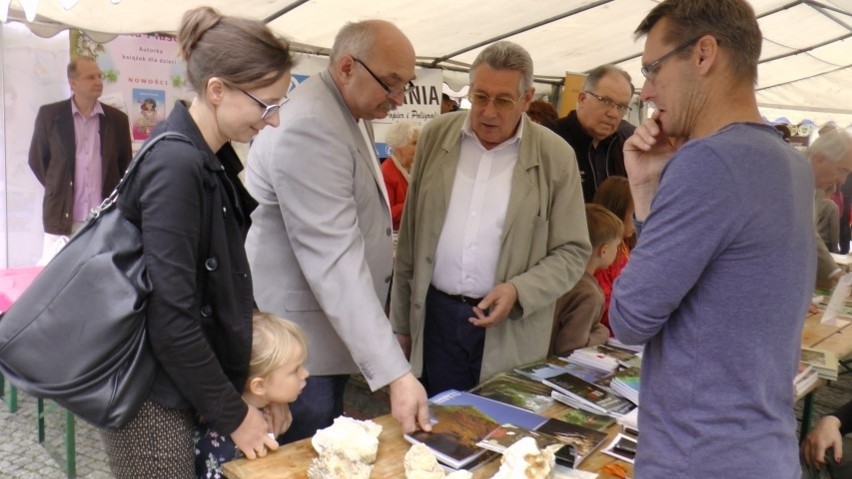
<point x="604" y="357"/>
<point x="541" y="370"/>
<point x="630" y="423"/>
<point x="625" y="382"/>
<point x="588" y="395"/>
<point x="552" y="432"/>
<point x="825" y="362"/>
<point x="805" y="378"/>
<point x="455" y="432"/>
<point x="462" y="419"/>
<point x="622" y="447"/>
<point x="635" y="348"/>
<point x="517" y="390"/>
<point x="584" y="418"/>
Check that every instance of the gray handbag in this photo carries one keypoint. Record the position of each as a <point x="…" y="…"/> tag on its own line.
<point x="78" y="334"/>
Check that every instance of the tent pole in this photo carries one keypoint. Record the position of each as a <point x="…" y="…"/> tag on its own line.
<point x="288" y="8"/>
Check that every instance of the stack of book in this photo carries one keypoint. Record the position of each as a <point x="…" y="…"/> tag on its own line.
<point x="593" y="358"/>
<point x="605" y="357"/>
<point x="636" y="348"/>
<point x="626" y="383"/>
<point x="582" y="394"/>
<point x="805" y="378"/>
<point x="824" y="362"/>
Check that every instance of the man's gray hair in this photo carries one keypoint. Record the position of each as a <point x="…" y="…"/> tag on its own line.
<point x="401" y="134"/>
<point x="506" y="55"/>
<point x="832" y="145"/>
<point x="594" y="76"/>
<point x="355" y="38"/>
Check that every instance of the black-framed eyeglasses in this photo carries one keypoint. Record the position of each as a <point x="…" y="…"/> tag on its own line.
<point x="649" y="70"/>
<point x="268" y="110"/>
<point x="390" y="91"/>
<point x="500" y="103"/>
<point x="610" y="103"/>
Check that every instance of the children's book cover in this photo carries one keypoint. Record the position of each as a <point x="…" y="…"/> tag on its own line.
<point x="148" y="109"/>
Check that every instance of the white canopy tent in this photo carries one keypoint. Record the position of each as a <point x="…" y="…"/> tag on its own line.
<point x="805" y="69"/>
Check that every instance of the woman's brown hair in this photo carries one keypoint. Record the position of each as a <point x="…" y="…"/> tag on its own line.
<point x="240" y="51"/>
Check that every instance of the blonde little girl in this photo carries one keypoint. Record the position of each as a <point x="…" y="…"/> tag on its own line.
<point x="276" y="377"/>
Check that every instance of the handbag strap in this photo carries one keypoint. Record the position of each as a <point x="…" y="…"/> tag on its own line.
<point x="110" y="200"/>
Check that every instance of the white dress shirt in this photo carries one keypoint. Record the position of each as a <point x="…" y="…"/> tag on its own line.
<point x="469" y="245"/>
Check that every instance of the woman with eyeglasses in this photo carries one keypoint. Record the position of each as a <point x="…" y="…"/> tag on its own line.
<point x="193" y="214"/>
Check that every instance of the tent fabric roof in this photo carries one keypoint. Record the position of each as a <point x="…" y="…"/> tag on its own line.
<point x="805" y="69"/>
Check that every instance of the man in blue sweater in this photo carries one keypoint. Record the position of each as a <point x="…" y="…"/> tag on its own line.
<point x="719" y="284"/>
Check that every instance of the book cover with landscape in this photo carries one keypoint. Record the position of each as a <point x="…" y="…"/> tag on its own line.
<point x="517" y="390"/>
<point x="500" y="412"/>
<point x="587" y="419"/>
<point x="455" y="432"/>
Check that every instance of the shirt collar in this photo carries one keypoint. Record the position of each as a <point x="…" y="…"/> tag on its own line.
<point x="97" y="110"/>
<point x="467" y="132"/>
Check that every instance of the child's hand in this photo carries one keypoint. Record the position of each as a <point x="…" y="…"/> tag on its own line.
<point x="278" y="418"/>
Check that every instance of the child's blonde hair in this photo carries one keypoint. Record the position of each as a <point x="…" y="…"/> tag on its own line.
<point x="273" y="343"/>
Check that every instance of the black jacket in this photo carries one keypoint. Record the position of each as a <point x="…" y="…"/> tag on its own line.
<point x="53" y="158"/>
<point x="194" y="214"/>
<point x="570" y="130"/>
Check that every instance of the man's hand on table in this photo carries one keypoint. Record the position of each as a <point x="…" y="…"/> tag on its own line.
<point x="408" y="404"/>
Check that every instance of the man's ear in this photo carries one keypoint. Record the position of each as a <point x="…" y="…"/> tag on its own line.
<point x="707" y="50"/>
<point x="345" y="67"/>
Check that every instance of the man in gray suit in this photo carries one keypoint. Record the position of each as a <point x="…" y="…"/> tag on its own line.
<point x="320" y="242"/>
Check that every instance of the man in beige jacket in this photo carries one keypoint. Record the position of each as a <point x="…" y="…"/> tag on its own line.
<point x="493" y="232"/>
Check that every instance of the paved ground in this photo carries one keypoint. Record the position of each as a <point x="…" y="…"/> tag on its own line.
<point x="21" y="457"/>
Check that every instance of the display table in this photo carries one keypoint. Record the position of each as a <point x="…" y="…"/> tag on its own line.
<point x="292" y="461"/>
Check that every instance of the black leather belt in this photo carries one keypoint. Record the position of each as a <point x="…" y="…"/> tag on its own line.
<point x="457" y="297"/>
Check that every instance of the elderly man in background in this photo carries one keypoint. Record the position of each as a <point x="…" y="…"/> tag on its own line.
<point x="720" y="281"/>
<point x="493" y="232"/>
<point x="595" y="129"/>
<point x="831" y="160"/>
<point x="320" y="244"/>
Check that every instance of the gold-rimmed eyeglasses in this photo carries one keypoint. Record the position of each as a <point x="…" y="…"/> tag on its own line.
<point x="500" y="103"/>
<point x="610" y="103"/>
<point x="390" y="91"/>
<point x="268" y="110"/>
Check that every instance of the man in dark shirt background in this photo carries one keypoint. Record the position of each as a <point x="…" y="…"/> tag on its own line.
<point x="595" y="129"/>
